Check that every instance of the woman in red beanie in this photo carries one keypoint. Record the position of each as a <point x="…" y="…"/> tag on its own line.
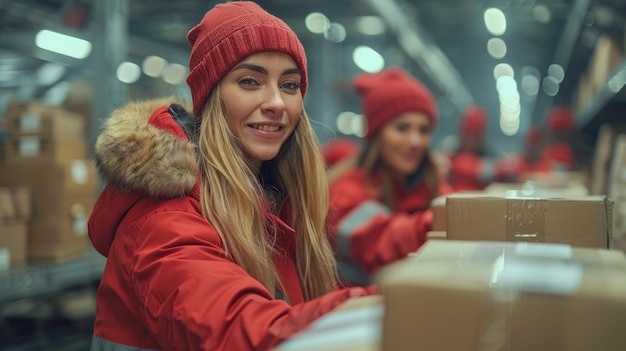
<point x="470" y="166"/>
<point x="214" y="222"/>
<point x="380" y="201"/>
<point x="563" y="151"/>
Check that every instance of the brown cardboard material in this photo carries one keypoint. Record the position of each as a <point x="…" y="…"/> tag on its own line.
<point x="60" y="220"/>
<point x="37" y="119"/>
<point x="75" y="177"/>
<point x="15" y="204"/>
<point x="461" y="296"/>
<point x="14" y="238"/>
<point x="584" y="221"/>
<point x="436" y="235"/>
<point x="58" y="251"/>
<point x="43" y="150"/>
<point x="7" y="206"/>
<point x="602" y="160"/>
<point x="617" y="191"/>
<point x="438" y="206"/>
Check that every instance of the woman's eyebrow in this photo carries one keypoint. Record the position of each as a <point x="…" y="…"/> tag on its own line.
<point x="261" y="69"/>
<point x="251" y="67"/>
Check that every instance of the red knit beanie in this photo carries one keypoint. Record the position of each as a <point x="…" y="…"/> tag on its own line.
<point x="561" y="120"/>
<point x="227" y="34"/>
<point x="474" y="121"/>
<point x="337" y="150"/>
<point x="390" y="93"/>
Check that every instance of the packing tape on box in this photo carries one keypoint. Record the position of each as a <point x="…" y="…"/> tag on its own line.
<point x="526" y="220"/>
<point x="521" y="268"/>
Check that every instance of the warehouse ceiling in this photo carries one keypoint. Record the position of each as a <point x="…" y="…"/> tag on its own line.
<point x="442" y="42"/>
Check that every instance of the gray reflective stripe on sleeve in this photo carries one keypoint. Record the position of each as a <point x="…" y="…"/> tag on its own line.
<point x="487" y="171"/>
<point x="99" y="344"/>
<point x="356" y="219"/>
<point x="353" y="273"/>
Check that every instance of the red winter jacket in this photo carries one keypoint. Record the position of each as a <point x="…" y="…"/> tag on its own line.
<point x="168" y="283"/>
<point x="368" y="234"/>
<point x="469" y="171"/>
<point x="557" y="157"/>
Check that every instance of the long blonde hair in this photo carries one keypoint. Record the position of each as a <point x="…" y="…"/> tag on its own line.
<point x="235" y="201"/>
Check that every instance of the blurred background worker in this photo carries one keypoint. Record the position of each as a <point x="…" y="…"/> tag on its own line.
<point x="563" y="150"/>
<point x="379" y="202"/>
<point x="469" y="167"/>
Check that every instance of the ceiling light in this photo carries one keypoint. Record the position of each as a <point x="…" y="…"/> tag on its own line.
<point x="153" y="66"/>
<point x="495" y="21"/>
<point x="317" y="22"/>
<point x="368" y="59"/>
<point x="370" y="25"/>
<point x="128" y="72"/>
<point x="496" y="48"/>
<point x="63" y="44"/>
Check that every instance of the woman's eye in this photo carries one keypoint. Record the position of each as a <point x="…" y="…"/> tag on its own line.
<point x="291" y="85"/>
<point x="250" y="81"/>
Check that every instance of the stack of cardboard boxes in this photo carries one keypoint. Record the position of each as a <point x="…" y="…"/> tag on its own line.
<point x="527" y="266"/>
<point x="46" y="151"/>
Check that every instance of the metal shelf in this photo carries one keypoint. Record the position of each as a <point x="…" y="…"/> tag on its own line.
<point x="49" y="278"/>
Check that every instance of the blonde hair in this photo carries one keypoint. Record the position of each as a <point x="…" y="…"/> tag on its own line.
<point x="235" y="202"/>
<point x="370" y="161"/>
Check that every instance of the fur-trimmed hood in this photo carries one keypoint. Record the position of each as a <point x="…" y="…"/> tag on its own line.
<point x="144" y="147"/>
<point x="144" y="151"/>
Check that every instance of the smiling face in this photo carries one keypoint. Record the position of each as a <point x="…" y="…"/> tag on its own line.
<point x="404" y="142"/>
<point x="263" y="102"/>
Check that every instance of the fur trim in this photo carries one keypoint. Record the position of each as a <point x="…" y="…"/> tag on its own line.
<point x="133" y="155"/>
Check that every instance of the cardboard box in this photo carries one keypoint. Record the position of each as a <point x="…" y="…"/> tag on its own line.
<point x="34" y="118"/>
<point x="15" y="204"/>
<point x="13" y="239"/>
<point x="58" y="251"/>
<point x="60" y="220"/>
<point x="71" y="178"/>
<point x="584" y="221"/>
<point x="474" y="296"/>
<point x="61" y="233"/>
<point x="43" y="150"/>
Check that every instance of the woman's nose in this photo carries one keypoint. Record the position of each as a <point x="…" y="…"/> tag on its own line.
<point x="273" y="101"/>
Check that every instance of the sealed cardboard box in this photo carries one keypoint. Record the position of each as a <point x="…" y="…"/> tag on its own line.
<point x="584" y="221"/>
<point x="471" y="296"/>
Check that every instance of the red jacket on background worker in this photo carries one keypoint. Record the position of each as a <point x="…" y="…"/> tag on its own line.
<point x="379" y="203"/>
